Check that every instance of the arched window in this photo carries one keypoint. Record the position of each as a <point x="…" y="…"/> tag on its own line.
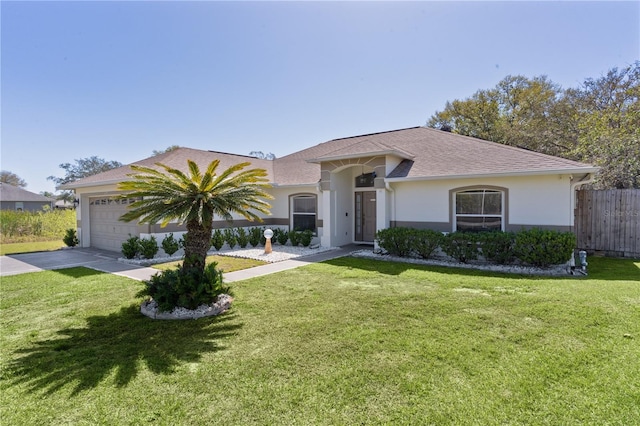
<point x="479" y="210"/>
<point x="303" y="212"/>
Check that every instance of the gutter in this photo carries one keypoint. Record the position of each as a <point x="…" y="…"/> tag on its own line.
<point x="388" y="187"/>
<point x="585" y="170"/>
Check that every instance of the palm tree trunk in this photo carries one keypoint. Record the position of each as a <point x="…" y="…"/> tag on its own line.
<point x="197" y="241"/>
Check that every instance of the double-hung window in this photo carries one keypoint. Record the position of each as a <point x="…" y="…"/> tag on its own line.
<point x="303" y="212"/>
<point x="479" y="210"/>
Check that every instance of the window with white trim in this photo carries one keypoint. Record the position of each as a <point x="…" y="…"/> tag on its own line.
<point x="303" y="212"/>
<point x="479" y="210"/>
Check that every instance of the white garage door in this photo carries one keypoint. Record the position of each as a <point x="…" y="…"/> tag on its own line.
<point x="107" y="232"/>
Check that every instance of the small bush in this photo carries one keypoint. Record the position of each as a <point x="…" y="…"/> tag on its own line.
<point x="255" y="236"/>
<point x="217" y="239"/>
<point x="283" y="237"/>
<point x="294" y="237"/>
<point x="242" y="237"/>
<point x="425" y="242"/>
<point x="70" y="238"/>
<point x="544" y="248"/>
<point x="276" y="233"/>
<point x="230" y="237"/>
<point x="396" y="241"/>
<point x="305" y="237"/>
<point x="131" y="248"/>
<point x="148" y="247"/>
<point x="177" y="288"/>
<point x="170" y="245"/>
<point x="462" y="246"/>
<point x="498" y="247"/>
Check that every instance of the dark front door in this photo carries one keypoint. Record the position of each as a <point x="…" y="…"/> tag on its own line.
<point x="365" y="208"/>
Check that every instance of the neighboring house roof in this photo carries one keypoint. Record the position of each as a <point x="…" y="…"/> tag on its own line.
<point x="426" y="153"/>
<point x="14" y="193"/>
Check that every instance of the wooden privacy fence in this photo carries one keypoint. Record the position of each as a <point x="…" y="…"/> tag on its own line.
<point x="608" y="221"/>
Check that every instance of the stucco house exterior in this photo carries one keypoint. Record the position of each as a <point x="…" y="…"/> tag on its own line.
<point x="19" y="199"/>
<point x="347" y="189"/>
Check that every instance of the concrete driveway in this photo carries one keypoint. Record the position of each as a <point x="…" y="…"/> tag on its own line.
<point x="100" y="260"/>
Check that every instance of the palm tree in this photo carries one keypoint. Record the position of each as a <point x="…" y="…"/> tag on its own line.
<point x="195" y="199"/>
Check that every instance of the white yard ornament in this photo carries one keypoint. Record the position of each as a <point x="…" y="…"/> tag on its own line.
<point x="268" y="233"/>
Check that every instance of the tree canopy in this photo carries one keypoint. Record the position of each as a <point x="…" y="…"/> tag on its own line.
<point x="261" y="155"/>
<point x="597" y="122"/>
<point x="82" y="168"/>
<point x="195" y="198"/>
<point x="157" y="152"/>
<point x="12" y="179"/>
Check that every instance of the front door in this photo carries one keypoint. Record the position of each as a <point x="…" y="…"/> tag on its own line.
<point x="365" y="209"/>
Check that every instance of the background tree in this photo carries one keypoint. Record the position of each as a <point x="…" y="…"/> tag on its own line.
<point x="162" y="151"/>
<point x="261" y="155"/>
<point x="12" y="179"/>
<point x="82" y="168"/>
<point x="195" y="198"/>
<point x="608" y="111"/>
<point x="597" y="122"/>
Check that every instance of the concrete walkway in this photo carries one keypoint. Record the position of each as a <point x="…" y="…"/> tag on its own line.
<point x="106" y="261"/>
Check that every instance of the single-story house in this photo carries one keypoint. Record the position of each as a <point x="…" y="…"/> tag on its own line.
<point x="16" y="198"/>
<point x="347" y="189"/>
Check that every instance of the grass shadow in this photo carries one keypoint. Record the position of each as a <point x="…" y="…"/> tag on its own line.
<point x="118" y="344"/>
<point x="390" y="267"/>
<point x="600" y="268"/>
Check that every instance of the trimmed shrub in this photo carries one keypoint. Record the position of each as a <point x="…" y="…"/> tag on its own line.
<point x="276" y="233"/>
<point x="425" y="242"/>
<point x="131" y="248"/>
<point x="462" y="246"/>
<point x="217" y="239"/>
<point x="70" y="238"/>
<point x="148" y="247"/>
<point x="498" y="247"/>
<point x="544" y="248"/>
<point x="170" y="245"/>
<point x="242" y="237"/>
<point x="294" y="237"/>
<point x="396" y="241"/>
<point x="230" y="237"/>
<point x="283" y="236"/>
<point x="305" y="237"/>
<point x="176" y="288"/>
<point x="255" y="236"/>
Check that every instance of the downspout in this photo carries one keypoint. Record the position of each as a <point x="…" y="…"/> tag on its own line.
<point x="587" y="179"/>
<point x="392" y="215"/>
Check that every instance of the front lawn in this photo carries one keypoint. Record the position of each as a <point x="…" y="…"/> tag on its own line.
<point x="225" y="263"/>
<point x="349" y="341"/>
<point x="30" y="247"/>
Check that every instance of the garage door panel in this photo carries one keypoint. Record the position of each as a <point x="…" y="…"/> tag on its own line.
<point x="107" y="232"/>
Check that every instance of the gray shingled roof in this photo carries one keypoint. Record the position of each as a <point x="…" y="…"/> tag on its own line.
<point x="14" y="193"/>
<point x="176" y="158"/>
<point x="427" y="154"/>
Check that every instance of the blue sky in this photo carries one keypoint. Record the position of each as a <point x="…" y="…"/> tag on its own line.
<point x="121" y="79"/>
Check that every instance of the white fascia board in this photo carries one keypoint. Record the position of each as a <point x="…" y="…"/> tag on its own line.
<point x="584" y="170"/>
<point x="89" y="184"/>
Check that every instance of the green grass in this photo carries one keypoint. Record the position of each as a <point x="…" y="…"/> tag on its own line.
<point x="15" y="248"/>
<point x="225" y="263"/>
<point x="349" y="341"/>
